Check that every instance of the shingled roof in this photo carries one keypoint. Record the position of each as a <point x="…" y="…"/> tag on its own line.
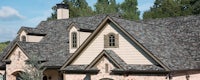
<point x="174" y="41"/>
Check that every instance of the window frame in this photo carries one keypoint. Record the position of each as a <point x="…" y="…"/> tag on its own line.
<point x="111" y="40"/>
<point x="74" y="40"/>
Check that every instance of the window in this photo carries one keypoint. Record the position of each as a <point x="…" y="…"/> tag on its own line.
<point x="23" y="38"/>
<point x="74" y="40"/>
<point x="111" y="40"/>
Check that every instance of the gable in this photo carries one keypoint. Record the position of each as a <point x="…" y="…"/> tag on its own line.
<point x="72" y="30"/>
<point x="17" y="55"/>
<point x="102" y="64"/>
<point x="127" y="49"/>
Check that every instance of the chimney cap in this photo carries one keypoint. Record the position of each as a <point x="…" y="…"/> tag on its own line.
<point x="62" y="5"/>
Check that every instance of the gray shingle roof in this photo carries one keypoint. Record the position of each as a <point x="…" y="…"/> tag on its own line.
<point x="54" y="56"/>
<point x="32" y="30"/>
<point x="167" y="39"/>
<point x="174" y="41"/>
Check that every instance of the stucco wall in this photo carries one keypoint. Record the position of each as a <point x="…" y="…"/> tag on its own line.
<point x="81" y="37"/>
<point x="30" y="38"/>
<point x="127" y="50"/>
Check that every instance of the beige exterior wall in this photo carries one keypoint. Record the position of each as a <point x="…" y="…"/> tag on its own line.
<point x="73" y="29"/>
<point x="30" y="38"/>
<point x="81" y="37"/>
<point x="23" y="33"/>
<point x="62" y="13"/>
<point x="126" y="49"/>
<point x="17" y="63"/>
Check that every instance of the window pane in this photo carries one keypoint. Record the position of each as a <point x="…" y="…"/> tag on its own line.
<point x="111" y="40"/>
<point x="74" y="40"/>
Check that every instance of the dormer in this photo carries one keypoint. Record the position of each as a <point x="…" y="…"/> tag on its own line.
<point x="77" y="36"/>
<point x="27" y="34"/>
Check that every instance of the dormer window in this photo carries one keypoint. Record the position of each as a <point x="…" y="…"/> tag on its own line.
<point x="23" y="38"/>
<point x="111" y="40"/>
<point x="74" y="40"/>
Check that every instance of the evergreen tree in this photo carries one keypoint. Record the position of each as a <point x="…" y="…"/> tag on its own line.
<point x="129" y="10"/>
<point x="171" y="8"/>
<point x="195" y="6"/>
<point x="106" y="7"/>
<point x="77" y="8"/>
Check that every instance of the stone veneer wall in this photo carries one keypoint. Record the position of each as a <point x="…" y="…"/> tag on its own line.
<point x="17" y="64"/>
<point x="102" y="74"/>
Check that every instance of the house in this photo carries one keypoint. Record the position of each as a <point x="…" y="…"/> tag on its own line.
<point x="107" y="47"/>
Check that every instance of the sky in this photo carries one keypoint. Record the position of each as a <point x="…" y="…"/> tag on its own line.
<point x="17" y="13"/>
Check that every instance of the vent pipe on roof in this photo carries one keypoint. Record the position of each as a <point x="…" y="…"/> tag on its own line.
<point x="62" y="11"/>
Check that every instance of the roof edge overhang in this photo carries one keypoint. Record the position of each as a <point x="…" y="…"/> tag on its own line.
<point x="80" y="71"/>
<point x="140" y="72"/>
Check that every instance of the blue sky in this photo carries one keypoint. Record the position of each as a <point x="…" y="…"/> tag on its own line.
<point x="17" y="13"/>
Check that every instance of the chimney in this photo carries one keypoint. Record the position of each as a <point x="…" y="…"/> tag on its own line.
<point x="62" y="11"/>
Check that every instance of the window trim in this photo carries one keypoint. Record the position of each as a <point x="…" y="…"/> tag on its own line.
<point x="74" y="40"/>
<point x="111" y="42"/>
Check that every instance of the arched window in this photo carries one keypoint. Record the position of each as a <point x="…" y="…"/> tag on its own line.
<point x="74" y="40"/>
<point x="23" y="38"/>
<point x="111" y="40"/>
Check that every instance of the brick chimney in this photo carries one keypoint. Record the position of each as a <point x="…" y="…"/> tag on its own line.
<point x="62" y="11"/>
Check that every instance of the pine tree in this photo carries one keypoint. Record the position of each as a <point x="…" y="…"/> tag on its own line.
<point x="129" y="10"/>
<point x="106" y="7"/>
<point x="169" y="8"/>
<point x="77" y="8"/>
<point x="195" y="6"/>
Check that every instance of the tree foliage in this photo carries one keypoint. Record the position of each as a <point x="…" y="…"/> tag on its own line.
<point x="129" y="10"/>
<point x="3" y="45"/>
<point x="106" y="7"/>
<point x="34" y="69"/>
<point x="77" y="8"/>
<point x="172" y="8"/>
